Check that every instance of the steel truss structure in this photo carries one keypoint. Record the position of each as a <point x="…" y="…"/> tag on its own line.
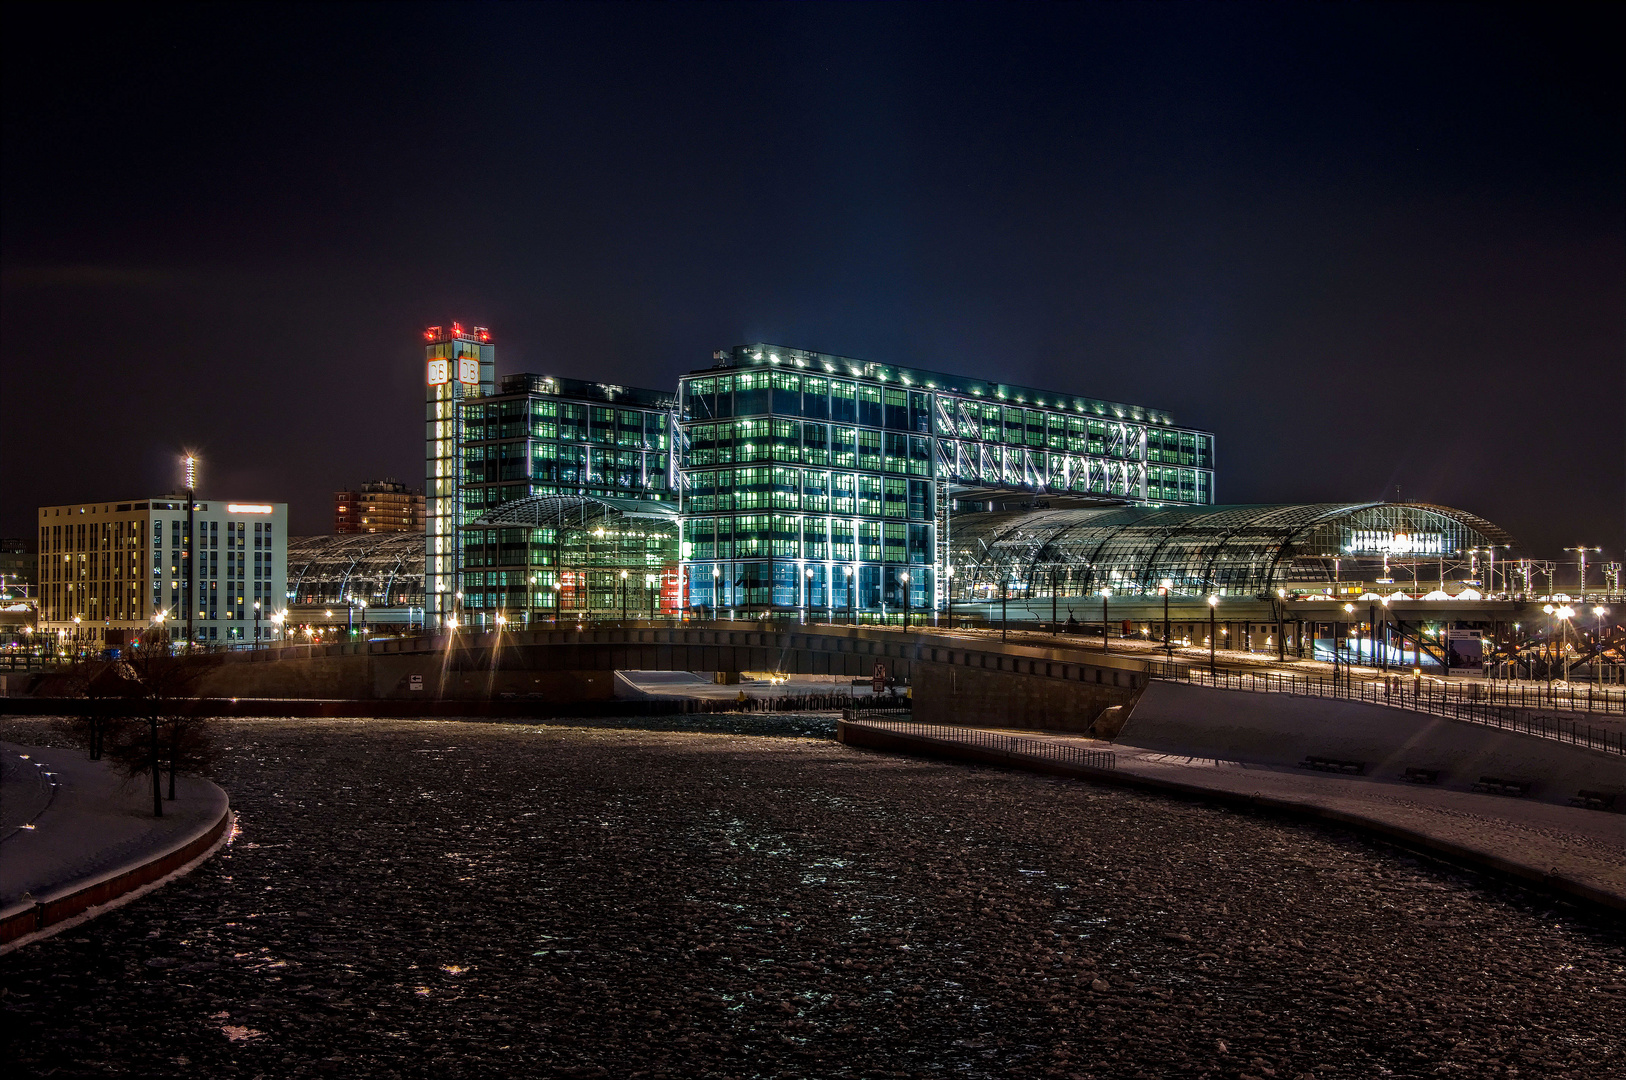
<point x="1246" y="550"/>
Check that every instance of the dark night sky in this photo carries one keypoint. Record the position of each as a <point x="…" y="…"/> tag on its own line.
<point x="1369" y="245"/>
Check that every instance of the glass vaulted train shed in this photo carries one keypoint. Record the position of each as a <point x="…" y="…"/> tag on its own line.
<point x="1244" y="550"/>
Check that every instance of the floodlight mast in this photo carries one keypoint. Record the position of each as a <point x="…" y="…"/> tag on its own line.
<point x="189" y="472"/>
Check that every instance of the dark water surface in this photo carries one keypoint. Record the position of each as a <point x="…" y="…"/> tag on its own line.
<point x="663" y="898"/>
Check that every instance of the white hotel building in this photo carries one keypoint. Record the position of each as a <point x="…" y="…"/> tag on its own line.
<point x="107" y="568"/>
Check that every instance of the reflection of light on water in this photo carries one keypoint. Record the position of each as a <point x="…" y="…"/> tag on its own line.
<point x="453" y="969"/>
<point x="235" y="831"/>
<point x="237" y="1033"/>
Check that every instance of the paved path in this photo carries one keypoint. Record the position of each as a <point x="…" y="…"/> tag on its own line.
<point x="93" y="824"/>
<point x="1583" y="846"/>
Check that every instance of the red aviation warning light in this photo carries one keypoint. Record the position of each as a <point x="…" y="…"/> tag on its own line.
<point x="437" y="334"/>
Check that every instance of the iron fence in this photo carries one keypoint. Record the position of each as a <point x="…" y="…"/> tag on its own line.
<point x="1435" y="699"/>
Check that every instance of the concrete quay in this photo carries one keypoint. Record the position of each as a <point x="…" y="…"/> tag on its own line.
<point x="1570" y="851"/>
<point x="78" y="836"/>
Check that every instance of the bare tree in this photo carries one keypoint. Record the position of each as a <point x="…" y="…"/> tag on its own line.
<point x="166" y="732"/>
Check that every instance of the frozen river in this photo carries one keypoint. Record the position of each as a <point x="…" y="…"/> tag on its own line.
<point x="428" y="898"/>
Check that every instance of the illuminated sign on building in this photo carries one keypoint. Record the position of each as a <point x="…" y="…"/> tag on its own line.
<point x="1375" y="542"/>
<point x="248" y="508"/>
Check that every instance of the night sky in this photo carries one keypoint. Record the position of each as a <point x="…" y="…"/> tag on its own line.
<point x="1379" y="249"/>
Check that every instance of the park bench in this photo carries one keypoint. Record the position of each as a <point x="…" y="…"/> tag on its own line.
<point x="1496" y="785"/>
<point x="1421" y="776"/>
<point x="1327" y="764"/>
<point x="1593" y="800"/>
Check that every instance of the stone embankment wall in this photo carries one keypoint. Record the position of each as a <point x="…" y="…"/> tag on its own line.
<point x="361" y="676"/>
<point x="1282" y="729"/>
<point x="1069" y="700"/>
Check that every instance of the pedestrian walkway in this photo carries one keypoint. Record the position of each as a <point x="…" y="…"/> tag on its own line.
<point x="75" y="833"/>
<point x="1571" y="850"/>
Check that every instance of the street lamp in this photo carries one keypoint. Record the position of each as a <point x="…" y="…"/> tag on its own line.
<point x="363" y="605"/>
<point x="1349" y="609"/>
<point x="807" y="591"/>
<point x="1106" y="632"/>
<point x="277" y="617"/>
<point x="1213" y="603"/>
<point x="1598" y="612"/>
<point x="1165" y="587"/>
<point x="903" y="579"/>
<point x="948" y="593"/>
<point x="1565" y="613"/>
<point x="852" y="596"/>
<point x="256" y="624"/>
<point x="623" y="596"/>
<point x="1385" y="643"/>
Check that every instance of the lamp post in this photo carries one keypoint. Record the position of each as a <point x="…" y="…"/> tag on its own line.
<point x="1598" y="612"/>
<point x="807" y="592"/>
<point x="363" y="605"/>
<point x="623" y="596"/>
<point x="1165" y="588"/>
<point x="1053" y="612"/>
<point x="1106" y="625"/>
<point x="558" y="601"/>
<point x="277" y="618"/>
<point x="256" y="624"/>
<point x="1213" y="603"/>
<point x="1553" y="621"/>
<point x="903" y="580"/>
<point x="1384" y="643"/>
<point x="1349" y="609"/>
<point x="948" y="593"/>
<point x="716" y="584"/>
<point x="1004" y="609"/>
<point x="1564" y="613"/>
<point x="852" y="596"/>
<point x="649" y="587"/>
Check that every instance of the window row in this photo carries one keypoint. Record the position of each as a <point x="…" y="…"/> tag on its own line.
<point x="540" y="419"/>
<point x="810" y="444"/>
<point x="793" y="536"/>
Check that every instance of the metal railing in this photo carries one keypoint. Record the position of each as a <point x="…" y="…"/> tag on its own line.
<point x="1435" y="699"/>
<point x="1009" y="745"/>
<point x="1558" y="698"/>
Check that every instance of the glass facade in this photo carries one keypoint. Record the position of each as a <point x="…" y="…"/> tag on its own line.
<point x="822" y="482"/>
<point x="459" y="364"/>
<point x="562" y="443"/>
<point x="552" y="557"/>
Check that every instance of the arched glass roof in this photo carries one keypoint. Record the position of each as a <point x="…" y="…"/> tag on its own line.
<point x="380" y="568"/>
<point x="571" y="511"/>
<point x="1231" y="550"/>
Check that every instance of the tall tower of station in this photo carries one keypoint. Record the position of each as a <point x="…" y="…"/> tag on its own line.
<point x="459" y="364"/>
